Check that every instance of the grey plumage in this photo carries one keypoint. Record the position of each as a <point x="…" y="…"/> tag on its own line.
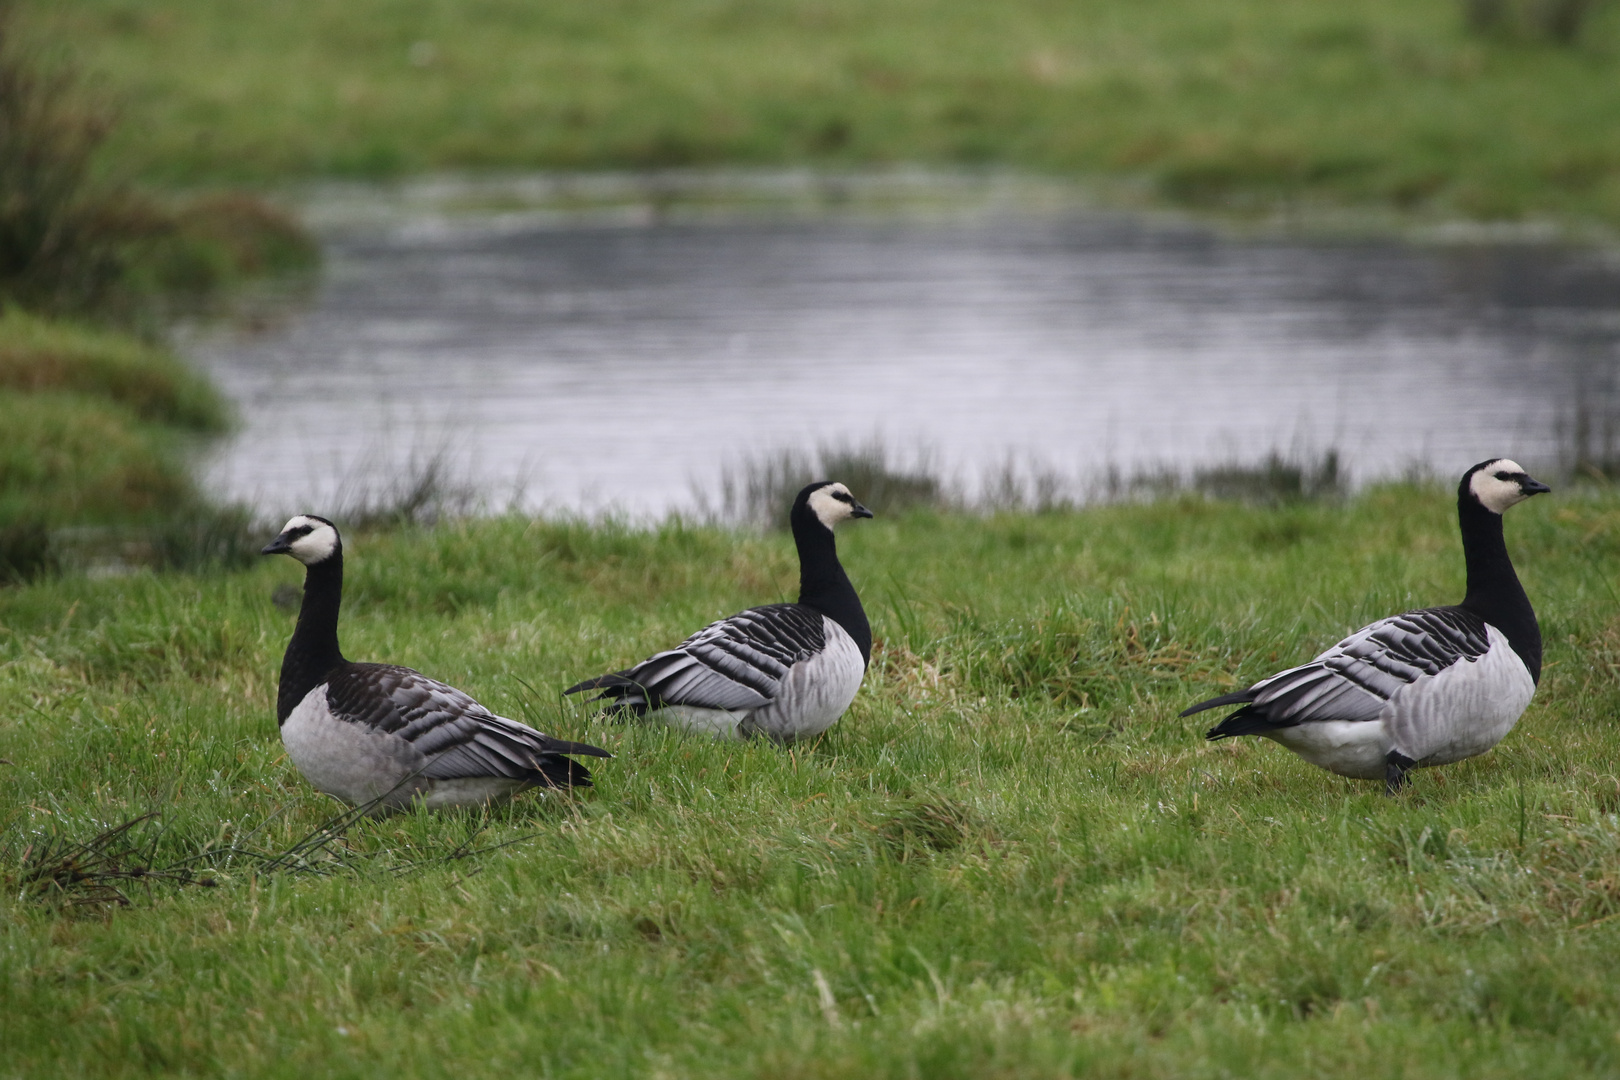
<point x="737" y="662"/>
<point x="782" y="670"/>
<point x="1356" y="679"/>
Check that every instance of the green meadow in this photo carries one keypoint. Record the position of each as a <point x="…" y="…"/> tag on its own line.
<point x="1238" y="104"/>
<point x="1010" y="858"/>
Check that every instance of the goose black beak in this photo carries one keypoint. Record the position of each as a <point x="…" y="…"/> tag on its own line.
<point x="281" y="545"/>
<point x="1533" y="487"/>
<point x="859" y="511"/>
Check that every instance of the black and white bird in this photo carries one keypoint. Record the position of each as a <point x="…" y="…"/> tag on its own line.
<point x="386" y="734"/>
<point x="1428" y="687"/>
<point x="787" y="671"/>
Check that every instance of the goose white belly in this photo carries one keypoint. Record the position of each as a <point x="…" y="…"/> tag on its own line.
<point x="1459" y="713"/>
<point x="358" y="764"/>
<point x="811" y="697"/>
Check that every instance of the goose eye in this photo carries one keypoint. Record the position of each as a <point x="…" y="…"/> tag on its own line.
<point x="1503" y="476"/>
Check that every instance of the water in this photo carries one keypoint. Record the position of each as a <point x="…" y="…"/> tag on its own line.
<point x="619" y="357"/>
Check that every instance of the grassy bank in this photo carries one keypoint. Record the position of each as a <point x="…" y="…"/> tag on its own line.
<point x="1235" y="103"/>
<point x="1010" y="858"/>
<point x="98" y="428"/>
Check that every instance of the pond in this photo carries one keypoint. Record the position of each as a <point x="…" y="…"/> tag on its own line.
<point x="615" y="349"/>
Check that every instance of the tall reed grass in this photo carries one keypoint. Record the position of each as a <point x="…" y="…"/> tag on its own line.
<point x="757" y="489"/>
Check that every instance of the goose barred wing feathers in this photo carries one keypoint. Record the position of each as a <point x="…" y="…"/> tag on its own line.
<point x="735" y="663"/>
<point x="1356" y="679"/>
<point x="458" y="737"/>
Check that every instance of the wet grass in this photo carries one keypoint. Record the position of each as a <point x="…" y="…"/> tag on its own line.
<point x="1248" y="105"/>
<point x="1009" y="859"/>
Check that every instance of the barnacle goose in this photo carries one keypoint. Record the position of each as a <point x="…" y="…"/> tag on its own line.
<point x="1428" y="687"/>
<point x="787" y="671"/>
<point x="386" y="734"/>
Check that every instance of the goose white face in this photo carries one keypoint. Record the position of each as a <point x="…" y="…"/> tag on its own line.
<point x="833" y="503"/>
<point x="1501" y="484"/>
<point x="308" y="539"/>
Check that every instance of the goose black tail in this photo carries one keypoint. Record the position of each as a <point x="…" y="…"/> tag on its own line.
<point x="560" y="746"/>
<point x="1242" y="697"/>
<point x="561" y="772"/>
<point x="620" y="693"/>
<point x="613" y="680"/>
<point x="1249" y="720"/>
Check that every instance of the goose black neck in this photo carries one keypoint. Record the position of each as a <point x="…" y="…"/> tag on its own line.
<point x="313" y="652"/>
<point x="1494" y="592"/>
<point x="823" y="585"/>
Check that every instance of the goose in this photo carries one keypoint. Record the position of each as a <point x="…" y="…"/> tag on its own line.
<point x="387" y="735"/>
<point x="787" y="671"/>
<point x="1423" y="688"/>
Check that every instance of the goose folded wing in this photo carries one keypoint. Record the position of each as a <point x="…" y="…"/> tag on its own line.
<point x="735" y="663"/>
<point x="457" y="737"/>
<point x="1357" y="678"/>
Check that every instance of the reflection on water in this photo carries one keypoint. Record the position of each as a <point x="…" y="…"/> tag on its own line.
<point x="592" y="362"/>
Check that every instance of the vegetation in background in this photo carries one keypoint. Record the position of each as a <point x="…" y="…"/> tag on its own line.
<point x="760" y="489"/>
<point x="76" y="238"/>
<point x="98" y="427"/>
<point x="150" y="382"/>
<point x="1010" y="859"/>
<point x="1240" y="104"/>
<point x="757" y="489"/>
<point x="96" y="421"/>
<point x="1558" y="21"/>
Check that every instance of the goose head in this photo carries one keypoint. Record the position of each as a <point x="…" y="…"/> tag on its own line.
<point x="307" y="538"/>
<point x="1500" y="483"/>
<point x="829" y="503"/>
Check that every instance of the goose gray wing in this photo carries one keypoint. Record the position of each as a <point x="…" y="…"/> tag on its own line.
<point x="738" y="662"/>
<point x="456" y="736"/>
<point x="1356" y="679"/>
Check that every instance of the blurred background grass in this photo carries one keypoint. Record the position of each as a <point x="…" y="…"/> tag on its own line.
<point x="1480" y="108"/>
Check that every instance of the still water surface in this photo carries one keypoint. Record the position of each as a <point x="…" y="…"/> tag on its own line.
<point x="597" y="360"/>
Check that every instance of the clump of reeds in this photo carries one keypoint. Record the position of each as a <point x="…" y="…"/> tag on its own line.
<point x="426" y="491"/>
<point x="1589" y="437"/>
<point x="759" y="489"/>
<point x="1276" y="478"/>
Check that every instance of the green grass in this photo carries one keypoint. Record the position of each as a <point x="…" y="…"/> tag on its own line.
<point x="40" y="355"/>
<point x="99" y="427"/>
<point x="1240" y="103"/>
<point x="68" y="459"/>
<point x="1009" y="859"/>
